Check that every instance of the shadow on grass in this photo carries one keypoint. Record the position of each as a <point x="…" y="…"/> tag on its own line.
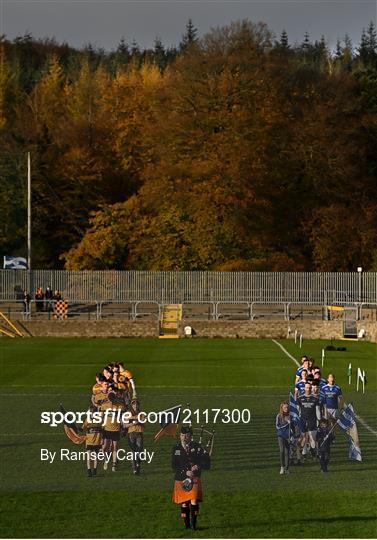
<point x="344" y="518"/>
<point x="312" y="520"/>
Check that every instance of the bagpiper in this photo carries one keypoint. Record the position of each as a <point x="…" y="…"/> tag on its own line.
<point x="189" y="459"/>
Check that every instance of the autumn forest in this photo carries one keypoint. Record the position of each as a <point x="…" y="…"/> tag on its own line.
<point x="238" y="150"/>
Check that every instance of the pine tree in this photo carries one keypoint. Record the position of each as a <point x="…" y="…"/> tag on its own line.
<point x="306" y="48"/>
<point x="171" y="53"/>
<point x="123" y="52"/>
<point x="319" y="53"/>
<point x="368" y="45"/>
<point x="284" y="43"/>
<point x="93" y="56"/>
<point x="135" y="51"/>
<point x="338" y="49"/>
<point x="281" y="46"/>
<point x="372" y="37"/>
<point x="347" y="53"/>
<point x="348" y="43"/>
<point x="363" y="42"/>
<point x="189" y="37"/>
<point x="372" y="44"/>
<point x="159" y="55"/>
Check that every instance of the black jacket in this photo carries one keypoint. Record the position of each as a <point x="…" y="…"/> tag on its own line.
<point x="324" y="440"/>
<point x="49" y="294"/>
<point x="182" y="461"/>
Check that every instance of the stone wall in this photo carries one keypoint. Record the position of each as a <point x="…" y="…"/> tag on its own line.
<point x="370" y="330"/>
<point x="71" y="328"/>
<point x="266" y="328"/>
<point x="259" y="328"/>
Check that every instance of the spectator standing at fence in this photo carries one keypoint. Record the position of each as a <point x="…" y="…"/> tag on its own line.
<point x="26" y="303"/>
<point x="49" y="295"/>
<point x="57" y="296"/>
<point x="39" y="298"/>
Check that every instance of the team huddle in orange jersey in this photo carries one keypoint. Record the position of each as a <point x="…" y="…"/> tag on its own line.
<point x="113" y="393"/>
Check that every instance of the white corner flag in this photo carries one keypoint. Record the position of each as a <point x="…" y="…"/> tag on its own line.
<point x="360" y="377"/>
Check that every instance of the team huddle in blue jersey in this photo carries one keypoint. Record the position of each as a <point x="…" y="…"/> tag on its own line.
<point x="305" y="425"/>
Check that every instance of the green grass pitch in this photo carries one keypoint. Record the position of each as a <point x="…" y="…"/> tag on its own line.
<point x="244" y="495"/>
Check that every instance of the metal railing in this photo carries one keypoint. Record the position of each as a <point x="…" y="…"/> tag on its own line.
<point x="181" y="287"/>
<point x="39" y="310"/>
<point x="107" y="310"/>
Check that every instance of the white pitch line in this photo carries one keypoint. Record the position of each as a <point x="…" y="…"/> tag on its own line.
<point x="44" y="386"/>
<point x="173" y="387"/>
<point x="286" y="352"/>
<point x="28" y="434"/>
<point x="362" y="422"/>
<point x="199" y="395"/>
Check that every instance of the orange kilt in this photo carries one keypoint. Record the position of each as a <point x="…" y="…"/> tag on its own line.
<point x="180" y="495"/>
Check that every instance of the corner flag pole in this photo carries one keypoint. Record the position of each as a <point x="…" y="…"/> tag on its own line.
<point x="360" y="376"/>
<point x="28" y="211"/>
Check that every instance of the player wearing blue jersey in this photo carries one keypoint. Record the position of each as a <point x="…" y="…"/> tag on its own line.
<point x="304" y="365"/>
<point x="300" y="385"/>
<point x="333" y="398"/>
<point x="310" y="365"/>
<point x="316" y="391"/>
<point x="319" y="378"/>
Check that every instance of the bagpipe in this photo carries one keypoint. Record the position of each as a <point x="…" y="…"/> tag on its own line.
<point x="210" y="436"/>
<point x="171" y="421"/>
<point x="200" y="433"/>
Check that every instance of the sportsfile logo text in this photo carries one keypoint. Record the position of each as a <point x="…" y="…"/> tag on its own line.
<point x="214" y="415"/>
<point x="67" y="418"/>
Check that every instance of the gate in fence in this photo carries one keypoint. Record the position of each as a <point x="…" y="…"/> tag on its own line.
<point x="350" y="317"/>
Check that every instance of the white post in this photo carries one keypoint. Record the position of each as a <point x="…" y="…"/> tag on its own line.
<point x="323" y="356"/>
<point x="360" y="269"/>
<point x="300" y="341"/>
<point x="349" y="373"/>
<point x="28" y="211"/>
<point x="360" y="376"/>
<point x="295" y="336"/>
